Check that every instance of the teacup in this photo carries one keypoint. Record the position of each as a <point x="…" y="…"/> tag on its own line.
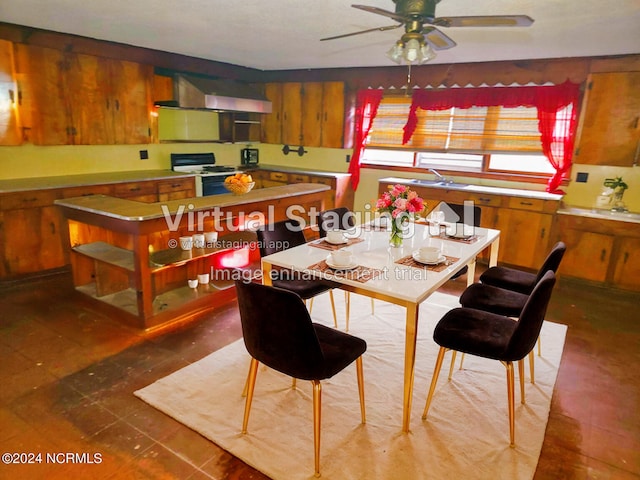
<point x="429" y="254"/>
<point x="336" y="236"/>
<point x="203" y="278"/>
<point x="186" y="243"/>
<point x="342" y="258"/>
<point x="198" y="240"/>
<point x="193" y="283"/>
<point x="211" y="237"/>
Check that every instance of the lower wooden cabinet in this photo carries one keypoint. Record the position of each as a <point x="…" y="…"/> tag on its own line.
<point x="340" y="195"/>
<point x="603" y="251"/>
<point x="32" y="229"/>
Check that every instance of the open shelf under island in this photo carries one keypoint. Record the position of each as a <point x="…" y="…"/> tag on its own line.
<point x="126" y="255"/>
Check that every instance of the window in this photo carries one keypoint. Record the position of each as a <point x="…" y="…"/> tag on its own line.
<point x="460" y="139"/>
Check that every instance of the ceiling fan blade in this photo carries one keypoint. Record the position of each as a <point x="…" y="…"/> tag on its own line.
<point x="379" y="29"/>
<point x="381" y="11"/>
<point x="484" y="21"/>
<point x="437" y="39"/>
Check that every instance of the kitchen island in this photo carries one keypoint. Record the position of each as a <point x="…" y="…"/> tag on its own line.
<point x="126" y="255"/>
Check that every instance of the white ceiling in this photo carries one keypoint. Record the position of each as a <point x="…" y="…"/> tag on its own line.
<point x="285" y="34"/>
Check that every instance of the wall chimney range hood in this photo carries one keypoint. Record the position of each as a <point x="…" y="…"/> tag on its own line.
<point x="192" y="92"/>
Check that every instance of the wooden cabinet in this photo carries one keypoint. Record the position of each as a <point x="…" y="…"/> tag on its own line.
<point x="10" y="133"/>
<point x="340" y="195"/>
<point x="603" y="251"/>
<point x="83" y="99"/>
<point x="609" y="127"/>
<point x="32" y="228"/>
<point x="176" y="189"/>
<point x="309" y="114"/>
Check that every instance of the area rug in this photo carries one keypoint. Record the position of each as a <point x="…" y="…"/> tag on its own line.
<point x="465" y="436"/>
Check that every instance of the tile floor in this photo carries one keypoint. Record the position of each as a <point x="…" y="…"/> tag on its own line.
<point x="69" y="372"/>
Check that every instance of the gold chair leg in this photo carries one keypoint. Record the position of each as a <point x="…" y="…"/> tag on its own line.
<point x="539" y="347"/>
<point x="347" y="300"/>
<point x="521" y="375"/>
<point x="360" y="374"/>
<point x="461" y="360"/>
<point x="453" y="363"/>
<point x="511" y="402"/>
<point x="532" y="366"/>
<point x="293" y="383"/>
<point x="333" y="309"/>
<point x="251" y="383"/>
<point x="310" y="305"/>
<point x="373" y="310"/>
<point x="317" y="410"/>
<point x="434" y="380"/>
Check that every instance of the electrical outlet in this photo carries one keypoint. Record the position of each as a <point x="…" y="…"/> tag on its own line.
<point x="581" y="177"/>
<point x="348" y="158"/>
<point x="144" y="154"/>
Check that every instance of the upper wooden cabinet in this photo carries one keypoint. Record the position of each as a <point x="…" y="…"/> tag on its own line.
<point x="9" y="126"/>
<point x="82" y="99"/>
<point x="309" y="114"/>
<point x="609" y="127"/>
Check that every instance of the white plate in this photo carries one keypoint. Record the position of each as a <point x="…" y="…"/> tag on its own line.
<point x="345" y="240"/>
<point x="333" y="266"/>
<point x="416" y="257"/>
<point x="461" y="236"/>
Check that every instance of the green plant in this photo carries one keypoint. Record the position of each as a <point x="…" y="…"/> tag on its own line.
<point x="615" y="183"/>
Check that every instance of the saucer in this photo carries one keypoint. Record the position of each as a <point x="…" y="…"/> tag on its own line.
<point x="344" y="240"/>
<point x="460" y="236"/>
<point x="333" y="266"/>
<point x="416" y="257"/>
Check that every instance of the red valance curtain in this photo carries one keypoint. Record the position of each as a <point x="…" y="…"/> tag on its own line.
<point x="557" y="134"/>
<point x="367" y="103"/>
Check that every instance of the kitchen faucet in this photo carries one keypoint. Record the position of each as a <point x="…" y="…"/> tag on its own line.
<point x="440" y="177"/>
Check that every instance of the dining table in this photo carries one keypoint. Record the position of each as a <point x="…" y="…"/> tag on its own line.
<point x="392" y="274"/>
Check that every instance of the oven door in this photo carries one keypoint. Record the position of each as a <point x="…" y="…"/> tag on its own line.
<point x="213" y="185"/>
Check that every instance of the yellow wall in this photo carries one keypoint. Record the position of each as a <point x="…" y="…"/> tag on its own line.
<point x="35" y="161"/>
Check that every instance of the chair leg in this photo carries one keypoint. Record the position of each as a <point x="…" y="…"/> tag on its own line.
<point x="317" y="410"/>
<point x="461" y="360"/>
<point x="333" y="309"/>
<point x="521" y="375"/>
<point x="372" y="307"/>
<point x="310" y="305"/>
<point x="532" y="367"/>
<point x="347" y="300"/>
<point x="453" y="363"/>
<point x="360" y="374"/>
<point x="539" y="347"/>
<point x="511" y="402"/>
<point x="434" y="380"/>
<point x="251" y="383"/>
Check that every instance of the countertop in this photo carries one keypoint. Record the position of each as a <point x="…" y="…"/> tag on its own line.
<point x="600" y="214"/>
<point x="67" y="181"/>
<point x="132" y="211"/>
<point x="513" y="192"/>
<point x="280" y="168"/>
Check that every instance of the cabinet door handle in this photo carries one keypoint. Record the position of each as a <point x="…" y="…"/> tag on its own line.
<point x="626" y="257"/>
<point x="117" y="102"/>
<point x="484" y="200"/>
<point x="603" y="255"/>
<point x="526" y="203"/>
<point x="176" y="185"/>
<point x="134" y="189"/>
<point x="29" y="200"/>
<point x="108" y="104"/>
<point x="53" y="228"/>
<point x="543" y="232"/>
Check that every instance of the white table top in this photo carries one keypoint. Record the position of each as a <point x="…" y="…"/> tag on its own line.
<point x="400" y="282"/>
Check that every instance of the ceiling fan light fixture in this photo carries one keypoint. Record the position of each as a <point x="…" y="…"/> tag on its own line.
<point x="412" y="50"/>
<point x="396" y="53"/>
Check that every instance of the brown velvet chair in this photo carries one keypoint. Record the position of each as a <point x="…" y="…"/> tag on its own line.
<point x="505" y="290"/>
<point x="521" y="281"/>
<point x="340" y="218"/>
<point x="278" y="333"/>
<point x="455" y="213"/>
<point x="493" y="336"/>
<point x="275" y="237"/>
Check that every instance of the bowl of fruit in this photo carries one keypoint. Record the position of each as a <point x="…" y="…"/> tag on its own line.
<point x="239" y="184"/>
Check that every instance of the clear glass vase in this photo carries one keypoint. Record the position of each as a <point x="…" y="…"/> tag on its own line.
<point x="397" y="236"/>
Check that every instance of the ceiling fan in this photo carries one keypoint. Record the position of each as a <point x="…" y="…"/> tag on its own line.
<point x="420" y="23"/>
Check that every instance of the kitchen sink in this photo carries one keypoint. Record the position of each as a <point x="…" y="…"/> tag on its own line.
<point x="438" y="183"/>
